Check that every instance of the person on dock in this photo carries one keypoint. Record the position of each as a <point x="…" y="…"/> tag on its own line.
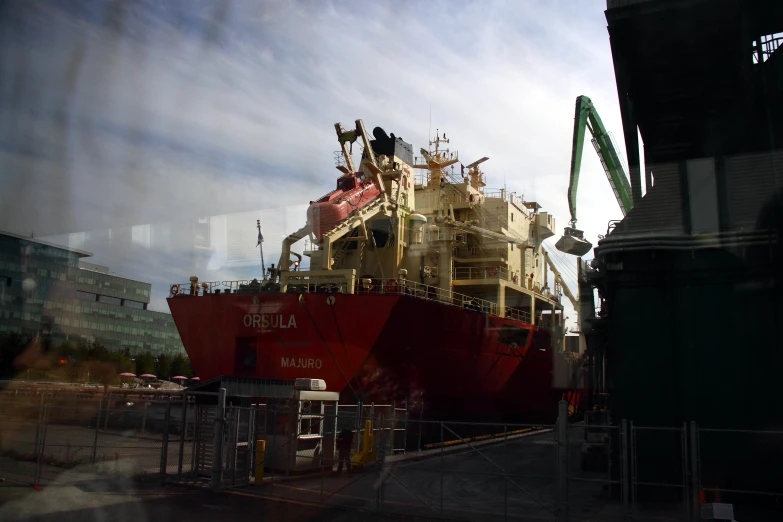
<point x="344" y="443"/>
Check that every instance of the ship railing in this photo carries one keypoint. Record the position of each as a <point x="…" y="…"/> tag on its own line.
<point x="519" y="315"/>
<point x="427" y="292"/>
<point x="339" y="159"/>
<point x="505" y="195"/>
<point x="362" y="286"/>
<point x="468" y="253"/>
<point x="495" y="193"/>
<point x="212" y="287"/>
<point x="310" y="246"/>
<point x="493" y="272"/>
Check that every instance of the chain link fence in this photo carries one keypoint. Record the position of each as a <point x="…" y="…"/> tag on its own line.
<point x="118" y="435"/>
<point x="398" y="463"/>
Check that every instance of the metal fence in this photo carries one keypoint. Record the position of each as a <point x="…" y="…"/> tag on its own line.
<point x="400" y="463"/>
<point x="118" y="435"/>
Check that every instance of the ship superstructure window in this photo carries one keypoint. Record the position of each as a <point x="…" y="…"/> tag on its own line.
<point x="346" y="183"/>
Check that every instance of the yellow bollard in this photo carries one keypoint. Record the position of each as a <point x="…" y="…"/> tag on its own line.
<point x="260" y="451"/>
<point x="368" y="436"/>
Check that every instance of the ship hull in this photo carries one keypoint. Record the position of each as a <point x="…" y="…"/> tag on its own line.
<point x="453" y="362"/>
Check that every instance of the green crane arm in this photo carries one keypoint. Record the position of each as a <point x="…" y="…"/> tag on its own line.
<point x="587" y="117"/>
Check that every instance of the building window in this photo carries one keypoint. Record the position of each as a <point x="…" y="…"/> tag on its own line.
<point x="109" y="300"/>
<point x="85" y="296"/>
<point x="134" y="304"/>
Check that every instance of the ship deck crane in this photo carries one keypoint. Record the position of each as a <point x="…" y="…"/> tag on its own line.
<point x="586" y="116"/>
<point x="560" y="281"/>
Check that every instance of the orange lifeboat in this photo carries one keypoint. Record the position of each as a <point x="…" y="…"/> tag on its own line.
<point x="353" y="192"/>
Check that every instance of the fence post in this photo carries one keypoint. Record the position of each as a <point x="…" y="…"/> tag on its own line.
<point x="391" y="431"/>
<point x="39" y="462"/>
<point x="441" y="470"/>
<point x="39" y="426"/>
<point x="359" y="411"/>
<point x="695" y="473"/>
<point x="562" y="461"/>
<point x="505" y="473"/>
<point x="195" y="447"/>
<point x="108" y="407"/>
<point x="183" y="427"/>
<point x="164" y="450"/>
<point x="380" y="444"/>
<point x="686" y="471"/>
<point x="624" y="466"/>
<point x="94" y="455"/>
<point x="217" y="444"/>
<point x="632" y="476"/>
<point x="421" y="415"/>
<point x="144" y="418"/>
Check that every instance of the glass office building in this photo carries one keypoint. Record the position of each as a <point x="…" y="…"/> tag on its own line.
<point x="47" y="289"/>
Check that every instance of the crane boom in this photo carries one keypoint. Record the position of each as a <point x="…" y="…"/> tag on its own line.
<point x="586" y="117"/>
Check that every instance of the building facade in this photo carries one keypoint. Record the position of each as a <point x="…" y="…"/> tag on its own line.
<point x="50" y="290"/>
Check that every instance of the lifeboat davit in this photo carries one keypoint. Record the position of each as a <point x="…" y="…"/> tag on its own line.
<point x="353" y="192"/>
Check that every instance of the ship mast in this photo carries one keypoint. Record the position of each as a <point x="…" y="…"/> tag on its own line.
<point x="437" y="160"/>
<point x="260" y="245"/>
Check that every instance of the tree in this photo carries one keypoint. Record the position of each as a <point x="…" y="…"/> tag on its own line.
<point x="122" y="362"/>
<point x="180" y="365"/>
<point x="145" y="363"/>
<point x="163" y="366"/>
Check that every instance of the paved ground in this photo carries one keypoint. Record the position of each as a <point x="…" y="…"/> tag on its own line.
<point x="128" y="452"/>
<point x="512" y="480"/>
<point x="82" y="496"/>
<point x="492" y="480"/>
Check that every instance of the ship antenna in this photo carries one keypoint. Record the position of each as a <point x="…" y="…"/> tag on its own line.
<point x="260" y="244"/>
<point x="429" y="130"/>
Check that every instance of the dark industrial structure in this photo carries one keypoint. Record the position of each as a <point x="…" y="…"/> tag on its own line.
<point x="690" y="280"/>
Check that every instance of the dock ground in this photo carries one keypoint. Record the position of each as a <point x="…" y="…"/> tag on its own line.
<point x="511" y="479"/>
<point x="82" y="496"/>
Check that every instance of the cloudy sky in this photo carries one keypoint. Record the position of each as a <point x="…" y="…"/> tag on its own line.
<point x="124" y="122"/>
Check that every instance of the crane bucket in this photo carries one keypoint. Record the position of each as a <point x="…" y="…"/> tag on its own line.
<point x="573" y="242"/>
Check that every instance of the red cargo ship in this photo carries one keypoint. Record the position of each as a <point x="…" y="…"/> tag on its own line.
<point x="428" y="288"/>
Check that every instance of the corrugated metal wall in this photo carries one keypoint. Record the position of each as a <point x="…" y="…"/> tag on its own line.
<point x="661" y="209"/>
<point x="753" y="181"/>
